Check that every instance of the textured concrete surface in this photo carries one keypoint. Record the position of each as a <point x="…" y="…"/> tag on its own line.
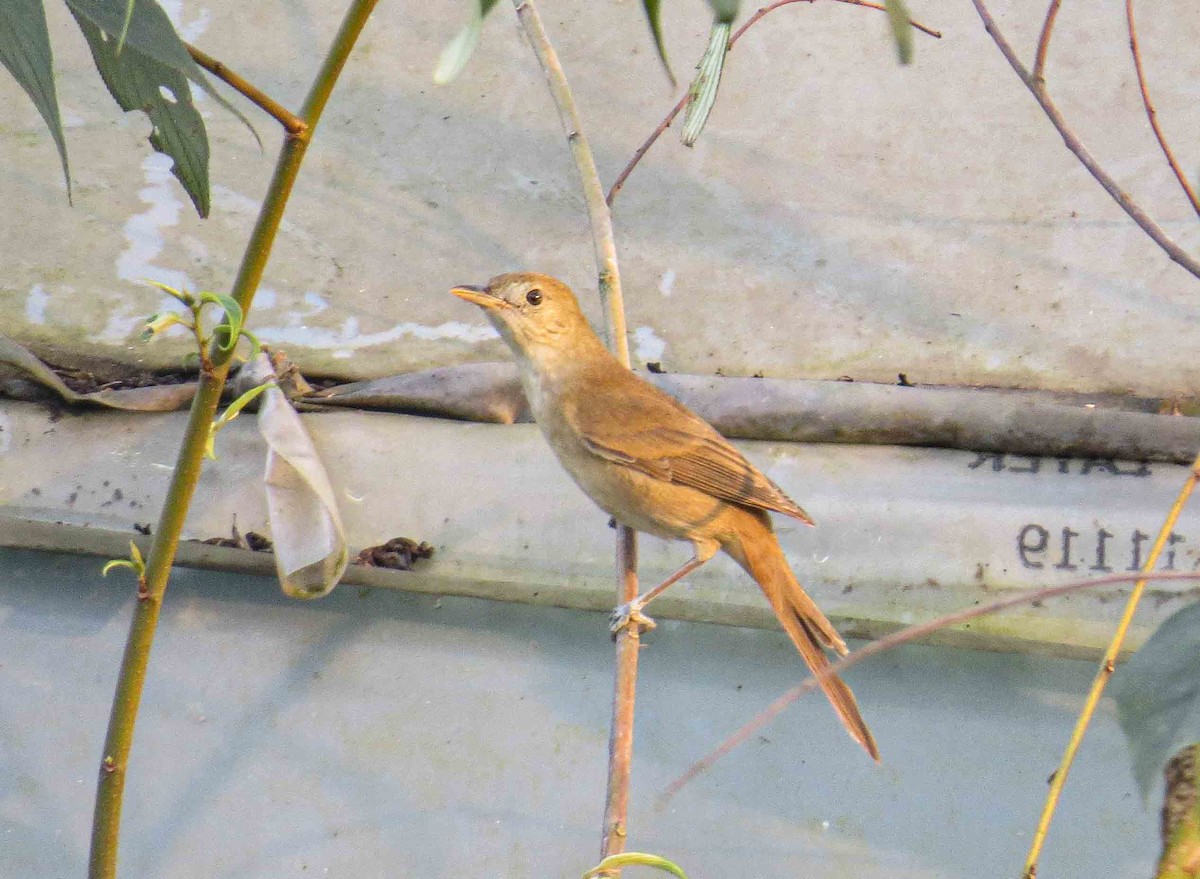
<point x="840" y="215"/>
<point x="902" y="535"/>
<point x="386" y="735"/>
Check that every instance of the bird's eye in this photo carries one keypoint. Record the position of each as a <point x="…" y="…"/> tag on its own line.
<point x="534" y="297"/>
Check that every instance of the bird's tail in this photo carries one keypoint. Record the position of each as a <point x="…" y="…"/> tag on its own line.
<point x="757" y="550"/>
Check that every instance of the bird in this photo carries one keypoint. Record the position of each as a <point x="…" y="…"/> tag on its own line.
<point x="654" y="465"/>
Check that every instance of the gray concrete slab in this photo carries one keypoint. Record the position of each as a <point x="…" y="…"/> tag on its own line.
<point x="840" y="215"/>
<point x="383" y="734"/>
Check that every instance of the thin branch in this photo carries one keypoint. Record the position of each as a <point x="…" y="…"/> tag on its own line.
<point x="1108" y="664"/>
<point x="102" y="863"/>
<point x="628" y="640"/>
<point x="897" y="639"/>
<point x="675" y="111"/>
<point x="1152" y="114"/>
<point x="620" y="736"/>
<point x="291" y="123"/>
<point x="1043" y="46"/>
<point x="1135" y="212"/>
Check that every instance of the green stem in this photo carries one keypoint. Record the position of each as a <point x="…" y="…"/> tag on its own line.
<point x="114" y="763"/>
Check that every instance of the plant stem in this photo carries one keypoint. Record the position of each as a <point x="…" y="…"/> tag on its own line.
<point x="1108" y="664"/>
<point x="593" y="192"/>
<point x="290" y="122"/>
<point x="132" y="676"/>
<point x="628" y="641"/>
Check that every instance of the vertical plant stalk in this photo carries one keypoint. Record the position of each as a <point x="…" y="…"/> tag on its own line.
<point x="131" y="679"/>
<point x="1108" y="664"/>
<point x="628" y="640"/>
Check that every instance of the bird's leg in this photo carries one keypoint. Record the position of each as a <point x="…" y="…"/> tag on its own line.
<point x="632" y="611"/>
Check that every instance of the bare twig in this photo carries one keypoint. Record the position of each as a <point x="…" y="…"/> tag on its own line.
<point x="1043" y="46"/>
<point x="1152" y="114"/>
<point x="291" y="123"/>
<point x="1135" y="212"/>
<point x="1108" y="664"/>
<point x="675" y="111"/>
<point x="897" y="639"/>
<point x="628" y="641"/>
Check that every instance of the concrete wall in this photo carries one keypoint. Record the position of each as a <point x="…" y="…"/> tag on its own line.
<point x="840" y="215"/>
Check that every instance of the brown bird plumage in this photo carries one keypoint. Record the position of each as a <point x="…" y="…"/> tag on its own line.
<point x="653" y="464"/>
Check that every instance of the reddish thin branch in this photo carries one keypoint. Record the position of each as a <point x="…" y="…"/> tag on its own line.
<point x="670" y="117"/>
<point x="1043" y="46"/>
<point x="1075" y="145"/>
<point x="896" y="639"/>
<point x="1152" y="114"/>
<point x="291" y="123"/>
<point x="620" y="742"/>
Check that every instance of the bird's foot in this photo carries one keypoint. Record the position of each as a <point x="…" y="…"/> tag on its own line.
<point x="629" y="614"/>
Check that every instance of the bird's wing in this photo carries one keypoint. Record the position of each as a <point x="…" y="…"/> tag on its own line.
<point x="634" y="423"/>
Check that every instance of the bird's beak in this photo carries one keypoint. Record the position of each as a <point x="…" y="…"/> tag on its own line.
<point x="479" y="295"/>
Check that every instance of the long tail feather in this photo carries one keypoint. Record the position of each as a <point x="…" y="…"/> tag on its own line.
<point x="757" y="550"/>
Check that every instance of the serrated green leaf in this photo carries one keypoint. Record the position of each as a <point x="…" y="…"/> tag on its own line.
<point x="460" y="49"/>
<point x="25" y="51"/>
<point x="137" y="81"/>
<point x="151" y="33"/>
<point x="899" y="18"/>
<point x="1158" y="696"/>
<point x="635" y="859"/>
<point x="653" y="10"/>
<point x="725" y="10"/>
<point x="702" y="94"/>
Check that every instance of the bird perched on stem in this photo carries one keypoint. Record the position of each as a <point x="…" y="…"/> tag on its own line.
<point x="654" y="465"/>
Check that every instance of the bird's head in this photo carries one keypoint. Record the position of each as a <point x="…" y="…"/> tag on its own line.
<point x="535" y="314"/>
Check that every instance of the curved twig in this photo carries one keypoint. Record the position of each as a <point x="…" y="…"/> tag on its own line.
<point x="1152" y="114"/>
<point x="896" y="639"/>
<point x="675" y="111"/>
<point x="1075" y="145"/>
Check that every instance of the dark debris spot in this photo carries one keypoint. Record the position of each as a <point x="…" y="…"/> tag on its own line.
<point x="655" y="367"/>
<point x="399" y="554"/>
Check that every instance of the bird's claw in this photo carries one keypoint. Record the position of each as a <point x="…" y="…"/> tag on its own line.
<point x="629" y="614"/>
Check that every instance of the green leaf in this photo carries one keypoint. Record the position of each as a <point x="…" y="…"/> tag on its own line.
<point x="460" y="49"/>
<point x="702" y="94"/>
<point x="654" y="17"/>
<point x="117" y="563"/>
<point x="139" y="81"/>
<point x="232" y="412"/>
<point x="25" y="51"/>
<point x="1158" y="695"/>
<point x="231" y="327"/>
<point x="725" y="10"/>
<point x="635" y="859"/>
<point x="899" y="18"/>
<point x="150" y="33"/>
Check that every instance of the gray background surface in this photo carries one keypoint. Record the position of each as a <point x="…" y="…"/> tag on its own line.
<point x="395" y="735"/>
